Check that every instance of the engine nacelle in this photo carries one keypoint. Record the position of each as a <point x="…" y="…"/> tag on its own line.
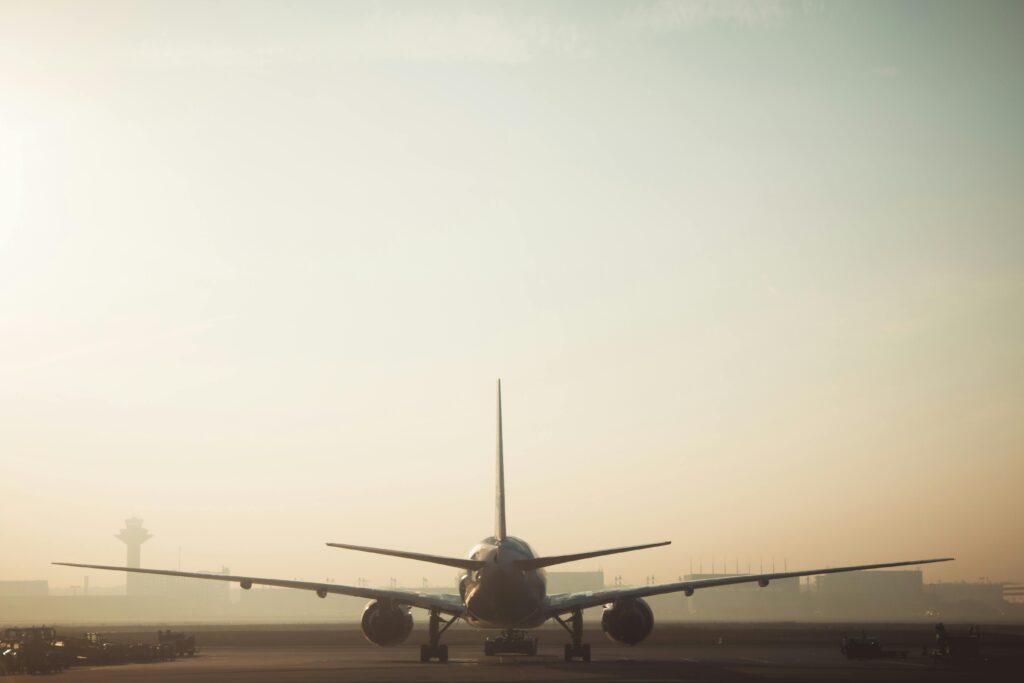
<point x="627" y="621"/>
<point x="385" y="623"/>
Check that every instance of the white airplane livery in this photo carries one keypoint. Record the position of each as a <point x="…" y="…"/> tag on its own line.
<point x="504" y="588"/>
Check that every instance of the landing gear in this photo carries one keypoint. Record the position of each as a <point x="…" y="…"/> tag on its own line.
<point x="574" y="625"/>
<point x="434" y="649"/>
<point x="510" y="642"/>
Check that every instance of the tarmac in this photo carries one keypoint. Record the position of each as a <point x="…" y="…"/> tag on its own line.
<point x="678" y="653"/>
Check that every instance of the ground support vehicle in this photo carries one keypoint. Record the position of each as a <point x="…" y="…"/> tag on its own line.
<point x="184" y="644"/>
<point x="32" y="650"/>
<point x="958" y="650"/>
<point x="511" y="642"/>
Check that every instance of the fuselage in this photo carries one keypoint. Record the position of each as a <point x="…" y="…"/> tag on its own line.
<point x="499" y="594"/>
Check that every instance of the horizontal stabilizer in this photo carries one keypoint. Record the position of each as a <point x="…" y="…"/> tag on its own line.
<point x="433" y="559"/>
<point x="538" y="562"/>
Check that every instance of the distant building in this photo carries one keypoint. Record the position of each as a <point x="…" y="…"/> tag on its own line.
<point x="969" y="600"/>
<point x="892" y="594"/>
<point x="574" y="582"/>
<point x="24" y="589"/>
<point x="780" y="599"/>
<point x="202" y="595"/>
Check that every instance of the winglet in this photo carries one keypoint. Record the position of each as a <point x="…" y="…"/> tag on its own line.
<point x="499" y="494"/>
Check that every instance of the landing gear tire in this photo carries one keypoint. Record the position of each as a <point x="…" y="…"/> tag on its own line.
<point x="488" y="648"/>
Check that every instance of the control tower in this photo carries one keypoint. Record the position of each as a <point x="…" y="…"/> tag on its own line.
<point x="133" y="536"/>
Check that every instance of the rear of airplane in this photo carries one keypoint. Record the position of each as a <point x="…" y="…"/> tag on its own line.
<point x="500" y="529"/>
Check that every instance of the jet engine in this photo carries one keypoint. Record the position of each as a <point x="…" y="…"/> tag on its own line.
<point x="627" y="621"/>
<point x="385" y="623"/>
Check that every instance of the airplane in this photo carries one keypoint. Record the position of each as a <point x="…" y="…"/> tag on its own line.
<point x="504" y="587"/>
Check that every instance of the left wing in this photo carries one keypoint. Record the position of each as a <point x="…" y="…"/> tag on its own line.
<point x="560" y="604"/>
<point x="449" y="604"/>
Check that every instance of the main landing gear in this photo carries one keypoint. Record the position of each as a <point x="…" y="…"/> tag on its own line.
<point x="510" y="642"/>
<point x="434" y="649"/>
<point x="574" y="625"/>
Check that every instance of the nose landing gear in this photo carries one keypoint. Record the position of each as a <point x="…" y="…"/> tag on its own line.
<point x="574" y="625"/>
<point x="510" y="642"/>
<point x="434" y="649"/>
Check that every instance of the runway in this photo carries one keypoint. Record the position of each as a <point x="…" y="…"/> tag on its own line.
<point x="773" y="659"/>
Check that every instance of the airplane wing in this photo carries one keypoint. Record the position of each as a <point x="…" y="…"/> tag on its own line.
<point x="560" y="604"/>
<point x="449" y="604"/>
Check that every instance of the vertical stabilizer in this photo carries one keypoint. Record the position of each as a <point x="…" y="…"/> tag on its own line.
<point x="499" y="493"/>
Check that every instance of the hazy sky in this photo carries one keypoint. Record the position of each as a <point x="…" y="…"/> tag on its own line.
<point x="752" y="275"/>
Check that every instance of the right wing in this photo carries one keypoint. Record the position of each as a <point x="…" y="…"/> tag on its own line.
<point x="566" y="602"/>
<point x="449" y="604"/>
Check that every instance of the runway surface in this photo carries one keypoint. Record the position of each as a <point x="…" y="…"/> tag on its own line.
<point x="784" y="654"/>
<point x="321" y="663"/>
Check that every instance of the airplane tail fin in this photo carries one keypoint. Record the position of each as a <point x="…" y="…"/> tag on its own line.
<point x="499" y="494"/>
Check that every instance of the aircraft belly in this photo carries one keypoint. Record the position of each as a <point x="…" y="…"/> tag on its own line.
<point x="532" y="621"/>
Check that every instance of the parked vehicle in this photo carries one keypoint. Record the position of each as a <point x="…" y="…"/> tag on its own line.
<point x="32" y="650"/>
<point x="184" y="644"/>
